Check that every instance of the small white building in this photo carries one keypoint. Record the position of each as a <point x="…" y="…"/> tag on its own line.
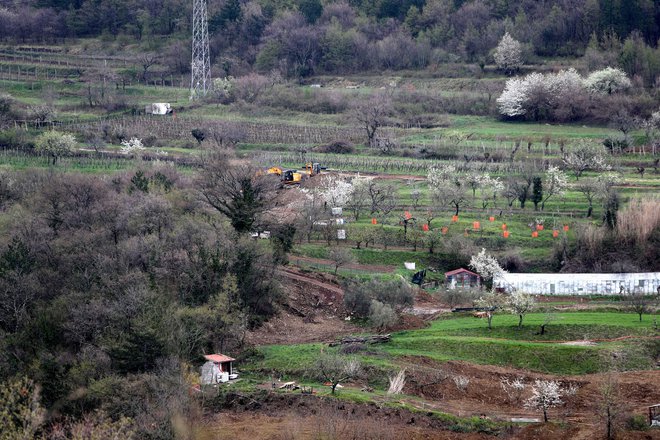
<point x="158" y="108"/>
<point x="218" y="369"/>
<point x="579" y="283"/>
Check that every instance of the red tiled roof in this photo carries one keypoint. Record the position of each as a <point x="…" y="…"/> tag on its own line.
<point x="461" y="270"/>
<point x="218" y="358"/>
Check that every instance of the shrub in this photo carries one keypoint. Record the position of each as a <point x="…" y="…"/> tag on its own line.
<point x="336" y="147"/>
<point x="381" y="315"/>
<point x="358" y="297"/>
<point x="637" y="423"/>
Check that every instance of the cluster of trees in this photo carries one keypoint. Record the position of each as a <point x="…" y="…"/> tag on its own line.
<point x="627" y="242"/>
<point x="561" y="96"/>
<point x="301" y="37"/>
<point x="112" y="288"/>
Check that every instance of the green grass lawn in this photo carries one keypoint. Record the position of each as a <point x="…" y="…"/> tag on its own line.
<point x="468" y="339"/>
<point x="563" y="327"/>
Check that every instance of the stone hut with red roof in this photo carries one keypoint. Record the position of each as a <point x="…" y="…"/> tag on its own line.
<point x="218" y="368"/>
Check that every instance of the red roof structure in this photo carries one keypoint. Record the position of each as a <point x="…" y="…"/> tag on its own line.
<point x="218" y="358"/>
<point x="461" y="270"/>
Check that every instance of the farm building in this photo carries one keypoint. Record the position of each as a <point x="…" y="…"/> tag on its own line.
<point x="218" y="368"/>
<point x="579" y="283"/>
<point x="461" y="278"/>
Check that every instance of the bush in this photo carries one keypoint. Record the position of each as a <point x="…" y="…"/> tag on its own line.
<point x="358" y="297"/>
<point x="615" y="145"/>
<point x="381" y="315"/>
<point x="637" y="423"/>
<point x="336" y="147"/>
<point x="12" y="139"/>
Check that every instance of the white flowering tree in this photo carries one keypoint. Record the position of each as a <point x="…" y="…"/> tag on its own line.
<point x="520" y="303"/>
<point x="359" y="201"/>
<point x="586" y="156"/>
<point x="597" y="188"/>
<point x="546" y="394"/>
<point x="446" y="186"/>
<point x="490" y="187"/>
<point x="131" y="146"/>
<point x="513" y="388"/>
<point x="335" y="191"/>
<point x="508" y="54"/>
<point x="55" y="144"/>
<point x="555" y="184"/>
<point x="512" y="101"/>
<point x="473" y="180"/>
<point x="487" y="266"/>
<point x="537" y="94"/>
<point x="222" y="87"/>
<point x="492" y="302"/>
<point x="607" y="81"/>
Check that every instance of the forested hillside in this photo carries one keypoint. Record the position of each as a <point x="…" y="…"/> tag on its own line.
<point x="306" y="37"/>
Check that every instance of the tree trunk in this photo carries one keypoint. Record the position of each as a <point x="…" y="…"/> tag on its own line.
<point x="334" y="385"/>
<point x="545" y="415"/>
<point x="543" y="329"/>
<point x="520" y="321"/>
<point x="590" y="211"/>
<point x="490" y="320"/>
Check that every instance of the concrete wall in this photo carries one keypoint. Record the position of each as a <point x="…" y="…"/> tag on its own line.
<point x="579" y="283"/>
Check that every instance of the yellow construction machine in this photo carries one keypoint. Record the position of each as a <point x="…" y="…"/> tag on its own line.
<point x="288" y="177"/>
<point x="312" y="169"/>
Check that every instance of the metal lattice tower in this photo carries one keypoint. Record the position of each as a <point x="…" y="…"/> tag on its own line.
<point x="200" y="80"/>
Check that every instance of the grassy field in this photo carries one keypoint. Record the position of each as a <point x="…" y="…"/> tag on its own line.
<point x="468" y="339"/>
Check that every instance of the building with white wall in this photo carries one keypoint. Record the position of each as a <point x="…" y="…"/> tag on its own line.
<point x="579" y="283"/>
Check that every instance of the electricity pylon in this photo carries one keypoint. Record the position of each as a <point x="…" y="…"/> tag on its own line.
<point x="200" y="68"/>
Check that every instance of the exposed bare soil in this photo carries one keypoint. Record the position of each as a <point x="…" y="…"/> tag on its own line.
<point x="315" y="314"/>
<point x="313" y="311"/>
<point x="295" y="416"/>
<point x="484" y="395"/>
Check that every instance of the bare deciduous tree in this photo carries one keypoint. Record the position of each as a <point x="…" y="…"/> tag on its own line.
<point x="372" y="113"/>
<point x="639" y="302"/>
<point x="147" y="60"/>
<point x="235" y="191"/>
<point x="335" y="369"/>
<point x="340" y="257"/>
